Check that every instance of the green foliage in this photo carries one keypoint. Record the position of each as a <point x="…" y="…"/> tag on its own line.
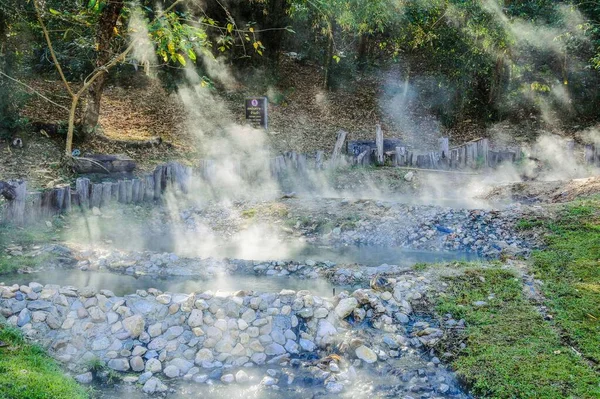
<point x="511" y="352"/>
<point x="28" y="373"/>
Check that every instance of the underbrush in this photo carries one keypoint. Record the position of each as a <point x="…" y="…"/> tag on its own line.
<point x="27" y="372"/>
<point x="511" y="351"/>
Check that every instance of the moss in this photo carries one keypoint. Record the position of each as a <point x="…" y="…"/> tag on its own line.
<point x="27" y="372"/>
<point x="511" y="351"/>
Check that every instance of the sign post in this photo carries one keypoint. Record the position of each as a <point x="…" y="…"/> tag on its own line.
<point x="257" y="112"/>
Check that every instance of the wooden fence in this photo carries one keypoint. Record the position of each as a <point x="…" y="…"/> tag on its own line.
<point x="28" y="207"/>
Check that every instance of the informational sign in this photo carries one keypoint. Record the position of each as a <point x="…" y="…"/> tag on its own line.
<point x="257" y="112"/>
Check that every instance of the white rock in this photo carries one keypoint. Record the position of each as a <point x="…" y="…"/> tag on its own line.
<point x="345" y="307"/>
<point x="366" y="354"/>
<point x="241" y="377"/>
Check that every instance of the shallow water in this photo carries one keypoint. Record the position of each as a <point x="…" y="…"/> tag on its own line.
<point x="122" y="285"/>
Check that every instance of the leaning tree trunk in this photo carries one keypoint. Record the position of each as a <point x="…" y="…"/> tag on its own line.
<point x="105" y="32"/>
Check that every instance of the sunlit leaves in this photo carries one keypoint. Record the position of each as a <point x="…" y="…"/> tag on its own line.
<point x="177" y="41"/>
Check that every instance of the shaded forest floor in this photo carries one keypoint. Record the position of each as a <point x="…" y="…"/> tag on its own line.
<point x="302" y="117"/>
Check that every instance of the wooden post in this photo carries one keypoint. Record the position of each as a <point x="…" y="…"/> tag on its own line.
<point x="158" y="181"/>
<point x="379" y="144"/>
<point x="128" y="191"/>
<point x="96" y="197"/>
<point x="114" y="193"/>
<point x="122" y="192"/>
<point x="570" y="148"/>
<point x="106" y="194"/>
<point x="589" y="154"/>
<point x="444" y="147"/>
<point x="319" y="160"/>
<point x="59" y="198"/>
<point x="149" y="195"/>
<point x="67" y="199"/>
<point x="482" y="152"/>
<point x="15" y="211"/>
<point x="33" y="207"/>
<point x="82" y="186"/>
<point x="135" y="190"/>
<point x="339" y="145"/>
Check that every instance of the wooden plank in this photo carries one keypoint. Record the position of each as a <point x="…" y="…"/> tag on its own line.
<point x="379" y="144"/>
<point x="339" y="145"/>
<point x="82" y="186"/>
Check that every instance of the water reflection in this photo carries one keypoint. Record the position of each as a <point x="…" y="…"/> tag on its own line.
<point x="124" y="285"/>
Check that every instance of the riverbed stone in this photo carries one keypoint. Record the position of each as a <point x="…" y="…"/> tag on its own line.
<point x="119" y="364"/>
<point x="171" y="371"/>
<point x="134" y="325"/>
<point x="366" y="354"/>
<point x="345" y="307"/>
<point x="195" y="318"/>
<point x="137" y="363"/>
<point x="153" y="365"/>
<point x="85" y="378"/>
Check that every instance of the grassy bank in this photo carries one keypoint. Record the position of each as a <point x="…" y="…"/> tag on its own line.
<point x="511" y="351"/>
<point x="570" y="270"/>
<point x="26" y="372"/>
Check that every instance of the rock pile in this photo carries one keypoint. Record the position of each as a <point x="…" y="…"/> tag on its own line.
<point x="216" y="336"/>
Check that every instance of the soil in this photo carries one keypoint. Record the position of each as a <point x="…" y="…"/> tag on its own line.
<point x="546" y="192"/>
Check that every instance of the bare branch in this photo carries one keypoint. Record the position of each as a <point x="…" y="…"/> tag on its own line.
<point x="34" y="91"/>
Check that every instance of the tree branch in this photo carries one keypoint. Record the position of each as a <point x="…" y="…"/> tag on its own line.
<point x="49" y="42"/>
<point x="34" y="91"/>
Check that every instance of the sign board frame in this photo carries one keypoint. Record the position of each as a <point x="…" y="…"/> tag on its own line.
<point x="257" y="112"/>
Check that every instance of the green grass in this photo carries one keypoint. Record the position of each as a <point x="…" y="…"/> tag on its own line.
<point x="511" y="351"/>
<point x="26" y="372"/>
<point x="570" y="269"/>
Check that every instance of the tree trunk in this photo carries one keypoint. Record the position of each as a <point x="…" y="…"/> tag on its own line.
<point x="363" y="49"/>
<point x="104" y="34"/>
<point x="277" y="17"/>
<point x="329" y="56"/>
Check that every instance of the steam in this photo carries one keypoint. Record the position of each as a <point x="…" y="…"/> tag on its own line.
<point x="143" y="52"/>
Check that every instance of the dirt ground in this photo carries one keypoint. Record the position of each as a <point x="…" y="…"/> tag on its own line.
<point x="302" y="117"/>
<point x="546" y="192"/>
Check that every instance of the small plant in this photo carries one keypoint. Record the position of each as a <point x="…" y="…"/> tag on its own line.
<point x="249" y="213"/>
